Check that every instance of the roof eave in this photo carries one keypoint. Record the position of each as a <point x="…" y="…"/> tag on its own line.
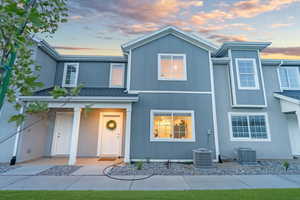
<point x="249" y="45"/>
<point x="78" y="99"/>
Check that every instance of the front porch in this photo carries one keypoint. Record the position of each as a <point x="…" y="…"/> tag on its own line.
<point x="71" y="135"/>
<point x="290" y="106"/>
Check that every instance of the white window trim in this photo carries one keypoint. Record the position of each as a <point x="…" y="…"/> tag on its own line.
<point x="256" y="87"/>
<point x="110" y="76"/>
<point x="65" y="74"/>
<point x="168" y="79"/>
<point x="247" y="114"/>
<point x="153" y="139"/>
<point x="288" y="79"/>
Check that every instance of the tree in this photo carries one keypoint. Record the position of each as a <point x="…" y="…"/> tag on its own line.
<point x="20" y="21"/>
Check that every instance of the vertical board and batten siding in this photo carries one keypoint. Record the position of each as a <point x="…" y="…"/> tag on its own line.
<point x="279" y="146"/>
<point x="142" y="148"/>
<point x="91" y="74"/>
<point x="244" y="96"/>
<point x="144" y="77"/>
<point x="144" y="66"/>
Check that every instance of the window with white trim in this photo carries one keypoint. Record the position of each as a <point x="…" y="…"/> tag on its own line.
<point x="289" y="78"/>
<point x="117" y="75"/>
<point x="172" y="67"/>
<point x="70" y="75"/>
<point x="172" y="125"/>
<point x="249" y="127"/>
<point x="247" y="74"/>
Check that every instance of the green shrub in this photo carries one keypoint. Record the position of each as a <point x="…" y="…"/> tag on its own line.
<point x="286" y="165"/>
<point x="139" y="165"/>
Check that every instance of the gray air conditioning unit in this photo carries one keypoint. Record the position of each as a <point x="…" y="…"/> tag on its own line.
<point x="202" y="158"/>
<point x="247" y="156"/>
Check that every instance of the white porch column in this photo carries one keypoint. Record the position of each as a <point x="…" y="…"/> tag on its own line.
<point x="298" y="118"/>
<point x="127" y="136"/>
<point x="74" y="136"/>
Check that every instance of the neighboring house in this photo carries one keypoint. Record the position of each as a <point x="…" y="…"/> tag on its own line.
<point x="171" y="93"/>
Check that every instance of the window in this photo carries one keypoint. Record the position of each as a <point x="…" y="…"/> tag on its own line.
<point x="171" y="67"/>
<point x="172" y="125"/>
<point x="247" y="74"/>
<point x="249" y="127"/>
<point x="117" y="75"/>
<point x="70" y="75"/>
<point x="289" y="78"/>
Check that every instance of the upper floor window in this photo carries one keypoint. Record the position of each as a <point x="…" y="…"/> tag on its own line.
<point x="117" y="75"/>
<point x="168" y="125"/>
<point x="172" y="67"/>
<point x="70" y="75"/>
<point x="247" y="74"/>
<point x="289" y="78"/>
<point x="249" y="126"/>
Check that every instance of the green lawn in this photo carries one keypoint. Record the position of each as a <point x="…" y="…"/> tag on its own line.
<point x="272" y="194"/>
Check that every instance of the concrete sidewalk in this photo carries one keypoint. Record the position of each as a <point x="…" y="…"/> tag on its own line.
<point x="9" y="182"/>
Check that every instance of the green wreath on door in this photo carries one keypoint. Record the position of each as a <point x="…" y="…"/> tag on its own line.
<point x="111" y="125"/>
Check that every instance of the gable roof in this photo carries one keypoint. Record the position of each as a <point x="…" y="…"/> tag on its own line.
<point x="195" y="40"/>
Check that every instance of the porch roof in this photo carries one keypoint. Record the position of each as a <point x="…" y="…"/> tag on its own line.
<point x="86" y="94"/>
<point x="293" y="94"/>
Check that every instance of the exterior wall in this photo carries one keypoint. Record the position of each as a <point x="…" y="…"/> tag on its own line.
<point x="142" y="148"/>
<point x="247" y="97"/>
<point x="279" y="147"/>
<point x="144" y="66"/>
<point x="6" y="130"/>
<point x="48" y="68"/>
<point x="91" y="74"/>
<point x="33" y="140"/>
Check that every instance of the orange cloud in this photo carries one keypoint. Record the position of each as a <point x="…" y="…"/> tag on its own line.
<point x="241" y="9"/>
<point x="226" y="38"/>
<point x="281" y="25"/>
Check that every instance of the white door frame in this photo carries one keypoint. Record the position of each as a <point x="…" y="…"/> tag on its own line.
<point x="100" y="131"/>
<point x="54" y="139"/>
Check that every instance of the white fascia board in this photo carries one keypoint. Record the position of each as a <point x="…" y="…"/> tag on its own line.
<point x="79" y="99"/>
<point x="174" y="30"/>
<point x="289" y="99"/>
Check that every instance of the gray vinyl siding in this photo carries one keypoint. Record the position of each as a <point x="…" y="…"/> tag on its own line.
<point x="248" y="97"/>
<point x="48" y="68"/>
<point x="279" y="147"/>
<point x="144" y="66"/>
<point x="91" y="74"/>
<point x="142" y="148"/>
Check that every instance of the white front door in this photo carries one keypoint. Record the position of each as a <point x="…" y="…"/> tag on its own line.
<point x="111" y="132"/>
<point x="62" y="133"/>
<point x="294" y="132"/>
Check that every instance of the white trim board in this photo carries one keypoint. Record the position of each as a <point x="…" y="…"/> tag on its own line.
<point x="256" y="87"/>
<point x="214" y="109"/>
<point x="232" y="139"/>
<point x="160" y="78"/>
<point x="116" y="65"/>
<point x="100" y="125"/>
<point x="168" y="92"/>
<point x="152" y="139"/>
<point x="76" y="65"/>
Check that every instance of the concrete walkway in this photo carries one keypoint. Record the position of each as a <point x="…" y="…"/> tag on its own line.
<point x="77" y="182"/>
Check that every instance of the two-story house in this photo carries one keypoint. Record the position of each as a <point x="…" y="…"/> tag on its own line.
<point x="171" y="92"/>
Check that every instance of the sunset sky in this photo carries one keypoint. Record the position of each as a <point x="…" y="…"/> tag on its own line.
<point x="99" y="27"/>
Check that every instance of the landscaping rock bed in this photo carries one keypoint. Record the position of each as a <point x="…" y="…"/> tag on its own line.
<point x="62" y="170"/>
<point x="264" y="167"/>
